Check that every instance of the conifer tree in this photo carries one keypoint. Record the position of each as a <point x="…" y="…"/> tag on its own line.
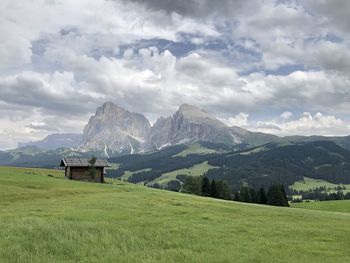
<point x="261" y="196"/>
<point x="192" y="185"/>
<point x="226" y="192"/>
<point x="276" y="196"/>
<point x="235" y="196"/>
<point x="244" y="194"/>
<point x="205" y="186"/>
<point x="285" y="199"/>
<point x="252" y="196"/>
<point x="213" y="190"/>
<point x="219" y="189"/>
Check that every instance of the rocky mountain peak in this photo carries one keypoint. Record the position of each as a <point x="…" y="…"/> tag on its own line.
<point x="115" y="130"/>
<point x="109" y="108"/>
<point x="190" y="124"/>
<point x="194" y="114"/>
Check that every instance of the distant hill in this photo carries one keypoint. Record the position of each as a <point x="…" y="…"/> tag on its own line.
<point x="283" y="163"/>
<point x="32" y="156"/>
<point x="54" y="141"/>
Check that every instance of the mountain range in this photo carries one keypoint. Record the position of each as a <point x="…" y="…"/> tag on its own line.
<point x="190" y="142"/>
<point x="115" y="131"/>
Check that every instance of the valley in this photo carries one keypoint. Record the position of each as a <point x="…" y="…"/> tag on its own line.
<point x="192" y="142"/>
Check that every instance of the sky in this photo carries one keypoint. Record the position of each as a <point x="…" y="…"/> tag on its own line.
<point x="280" y="67"/>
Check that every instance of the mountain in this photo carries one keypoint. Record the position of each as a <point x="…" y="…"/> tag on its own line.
<point x="32" y="156"/>
<point x="115" y="130"/>
<point x="191" y="124"/>
<point x="54" y="141"/>
<point x="284" y="163"/>
<point x="343" y="141"/>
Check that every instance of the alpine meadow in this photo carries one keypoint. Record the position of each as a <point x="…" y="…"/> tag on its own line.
<point x="50" y="219"/>
<point x="174" y="131"/>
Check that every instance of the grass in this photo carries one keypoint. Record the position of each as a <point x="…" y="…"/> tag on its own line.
<point x="310" y="184"/>
<point x="331" y="206"/>
<point x="196" y="170"/>
<point x="255" y="150"/>
<point x="128" y="174"/>
<point x="195" y="148"/>
<point x="50" y="219"/>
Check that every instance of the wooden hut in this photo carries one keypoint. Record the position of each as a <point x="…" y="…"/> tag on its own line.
<point x="80" y="169"/>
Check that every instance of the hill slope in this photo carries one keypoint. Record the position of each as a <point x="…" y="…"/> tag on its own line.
<point x="331" y="206"/>
<point x="45" y="219"/>
<point x="259" y="166"/>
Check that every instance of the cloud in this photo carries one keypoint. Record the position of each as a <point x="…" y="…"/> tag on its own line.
<point x="286" y="115"/>
<point x="240" y="120"/>
<point x="333" y="13"/>
<point x="243" y="61"/>
<point x="197" y="8"/>
<point x="307" y="124"/>
<point x="14" y="52"/>
<point x="41" y="126"/>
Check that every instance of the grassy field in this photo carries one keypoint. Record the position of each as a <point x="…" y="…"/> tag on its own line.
<point x="310" y="183"/>
<point x="51" y="219"/>
<point x="195" y="148"/>
<point x="331" y="206"/>
<point x="196" y="170"/>
<point x="128" y="174"/>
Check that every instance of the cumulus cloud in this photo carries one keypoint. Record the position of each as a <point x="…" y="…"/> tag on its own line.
<point x="50" y="93"/>
<point x="240" y="120"/>
<point x="244" y="62"/>
<point x="286" y="115"/>
<point x="42" y="127"/>
<point x="307" y="124"/>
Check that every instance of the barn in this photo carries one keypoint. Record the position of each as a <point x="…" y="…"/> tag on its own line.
<point x="80" y="169"/>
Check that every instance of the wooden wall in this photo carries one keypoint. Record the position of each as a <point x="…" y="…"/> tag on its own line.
<point x="82" y="174"/>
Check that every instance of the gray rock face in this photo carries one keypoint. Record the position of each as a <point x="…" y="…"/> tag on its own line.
<point x="190" y="124"/>
<point x="54" y="141"/>
<point x="115" y="130"/>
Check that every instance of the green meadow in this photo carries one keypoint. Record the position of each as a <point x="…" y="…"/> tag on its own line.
<point x="196" y="170"/>
<point x="310" y="184"/>
<point x="331" y="206"/>
<point x="195" y="148"/>
<point x="50" y="219"/>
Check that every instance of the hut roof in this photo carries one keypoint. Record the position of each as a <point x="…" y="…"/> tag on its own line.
<point x="82" y="162"/>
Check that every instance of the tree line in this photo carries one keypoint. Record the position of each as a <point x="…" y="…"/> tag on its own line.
<point x="320" y="196"/>
<point x="275" y="195"/>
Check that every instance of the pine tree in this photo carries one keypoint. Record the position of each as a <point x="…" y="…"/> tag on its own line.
<point x="219" y="189"/>
<point x="273" y="196"/>
<point x="276" y="196"/>
<point x="213" y="190"/>
<point x="192" y="185"/>
<point x="235" y="196"/>
<point x="284" y="196"/>
<point x="261" y="196"/>
<point x="252" y="196"/>
<point x="205" y="186"/>
<point x="226" y="192"/>
<point x="244" y="194"/>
